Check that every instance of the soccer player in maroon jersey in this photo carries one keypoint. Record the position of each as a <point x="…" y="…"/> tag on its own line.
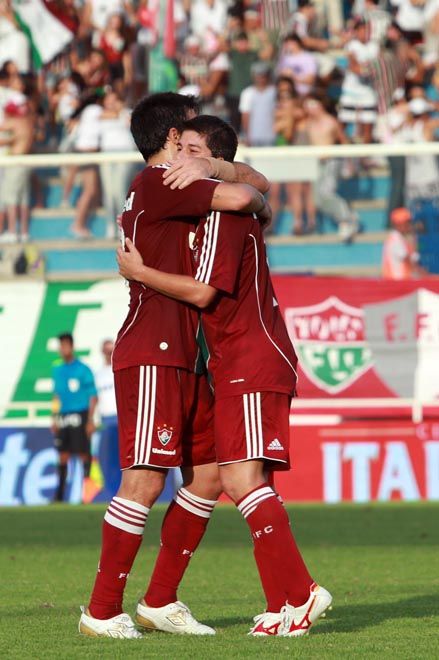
<point x="253" y="368"/>
<point x="160" y="400"/>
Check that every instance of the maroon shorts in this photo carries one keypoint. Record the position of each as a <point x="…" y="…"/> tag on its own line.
<point x="165" y="417"/>
<point x="253" y="426"/>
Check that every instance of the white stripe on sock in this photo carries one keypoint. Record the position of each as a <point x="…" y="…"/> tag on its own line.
<point x="256" y="493"/>
<point x="191" y="507"/>
<point x="209" y="504"/>
<point x="126" y="527"/>
<point x="247" y="506"/>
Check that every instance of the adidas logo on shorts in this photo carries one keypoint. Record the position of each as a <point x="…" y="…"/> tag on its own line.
<point x="275" y="445"/>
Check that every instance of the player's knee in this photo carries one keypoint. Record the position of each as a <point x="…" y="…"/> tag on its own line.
<point x="231" y="486"/>
<point x="142" y="486"/>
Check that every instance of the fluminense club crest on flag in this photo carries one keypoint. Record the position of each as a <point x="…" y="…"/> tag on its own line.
<point x="330" y="343"/>
<point x="164" y="434"/>
<point x="403" y="334"/>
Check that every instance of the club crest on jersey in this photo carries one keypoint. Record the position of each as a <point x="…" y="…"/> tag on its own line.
<point x="164" y="434"/>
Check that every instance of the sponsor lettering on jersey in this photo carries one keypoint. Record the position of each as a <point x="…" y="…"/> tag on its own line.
<point x="167" y="452"/>
<point x="129" y="202"/>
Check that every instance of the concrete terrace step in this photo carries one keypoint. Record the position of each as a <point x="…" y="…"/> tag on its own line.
<point x="304" y="256"/>
<point x="54" y="224"/>
<point x="285" y="254"/>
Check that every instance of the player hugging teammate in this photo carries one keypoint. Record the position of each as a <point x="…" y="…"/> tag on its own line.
<point x="187" y="246"/>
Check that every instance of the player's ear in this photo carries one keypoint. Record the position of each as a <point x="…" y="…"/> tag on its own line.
<point x="173" y="135"/>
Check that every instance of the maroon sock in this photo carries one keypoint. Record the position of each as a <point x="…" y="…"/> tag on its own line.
<point x="122" y="532"/>
<point x="282" y="570"/>
<point x="183" y="528"/>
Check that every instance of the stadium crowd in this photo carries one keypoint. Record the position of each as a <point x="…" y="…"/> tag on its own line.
<point x="283" y="73"/>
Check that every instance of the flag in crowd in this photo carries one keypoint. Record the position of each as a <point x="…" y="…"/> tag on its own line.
<point x="46" y="34"/>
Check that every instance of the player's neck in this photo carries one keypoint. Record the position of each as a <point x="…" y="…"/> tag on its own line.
<point x="159" y="158"/>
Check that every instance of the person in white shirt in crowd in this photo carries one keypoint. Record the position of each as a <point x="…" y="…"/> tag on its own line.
<point x="256" y="105"/>
<point x="208" y="15"/>
<point x="115" y="136"/>
<point x="410" y="19"/>
<point x="298" y="64"/>
<point x="108" y="452"/>
<point x="87" y="140"/>
<point x="422" y="170"/>
<point x="97" y="12"/>
<point x="378" y="20"/>
<point x="358" y="100"/>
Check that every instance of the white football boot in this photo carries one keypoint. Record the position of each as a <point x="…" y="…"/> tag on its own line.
<point x="173" y="618"/>
<point x="297" y="621"/>
<point x="119" y="627"/>
<point x="267" y="624"/>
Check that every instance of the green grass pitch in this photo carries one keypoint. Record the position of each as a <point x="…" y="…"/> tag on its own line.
<point x="381" y="563"/>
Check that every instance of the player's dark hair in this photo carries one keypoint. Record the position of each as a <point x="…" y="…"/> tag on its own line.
<point x="155" y="115"/>
<point x="66" y="336"/>
<point x="221" y="138"/>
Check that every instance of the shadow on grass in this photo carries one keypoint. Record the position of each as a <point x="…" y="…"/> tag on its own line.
<point x="352" y="618"/>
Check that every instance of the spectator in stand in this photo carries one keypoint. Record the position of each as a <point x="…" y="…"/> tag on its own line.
<point x="392" y="129"/>
<point x="400" y="255"/>
<point x="19" y="125"/>
<point x="378" y="20"/>
<point x="93" y="69"/>
<point x="410" y="19"/>
<point x="358" y="101"/>
<point x="114" y="136"/>
<point x="194" y="64"/>
<point x="258" y="37"/>
<point x="298" y="64"/>
<point x="431" y="34"/>
<point x="422" y="171"/>
<point x="256" y="105"/>
<point x="97" y="12"/>
<point x="303" y="23"/>
<point x="321" y="128"/>
<point x="287" y="113"/>
<point x="114" y="46"/>
<point x="207" y="16"/>
<point x="87" y="140"/>
<point x="241" y="60"/>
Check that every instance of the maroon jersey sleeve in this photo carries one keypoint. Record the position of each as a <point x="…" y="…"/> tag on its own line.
<point x="195" y="200"/>
<point x="221" y="238"/>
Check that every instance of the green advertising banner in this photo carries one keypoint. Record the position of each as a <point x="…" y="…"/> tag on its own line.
<point x="32" y="315"/>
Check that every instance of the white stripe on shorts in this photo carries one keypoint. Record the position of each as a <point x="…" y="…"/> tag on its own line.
<point x="253" y="425"/>
<point x="145" y="414"/>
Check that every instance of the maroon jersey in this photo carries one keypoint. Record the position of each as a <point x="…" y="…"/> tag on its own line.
<point x="158" y="330"/>
<point x="249" y="347"/>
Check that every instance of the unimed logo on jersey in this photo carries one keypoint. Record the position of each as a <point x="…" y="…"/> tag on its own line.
<point x="330" y="342"/>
